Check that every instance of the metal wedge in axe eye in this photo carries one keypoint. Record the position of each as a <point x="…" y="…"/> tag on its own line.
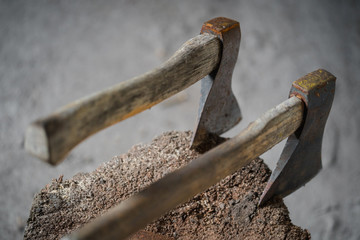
<point x="213" y="52"/>
<point x="300" y="160"/>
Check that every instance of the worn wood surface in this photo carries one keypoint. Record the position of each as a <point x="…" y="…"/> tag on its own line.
<point x="51" y="138"/>
<point x="179" y="186"/>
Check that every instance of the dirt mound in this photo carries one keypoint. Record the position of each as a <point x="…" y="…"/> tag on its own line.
<point x="227" y="210"/>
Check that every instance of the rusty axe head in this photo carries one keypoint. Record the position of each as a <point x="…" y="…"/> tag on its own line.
<point x="300" y="160"/>
<point x="218" y="109"/>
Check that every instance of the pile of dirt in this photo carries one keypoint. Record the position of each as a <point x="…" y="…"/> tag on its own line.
<point x="227" y="210"/>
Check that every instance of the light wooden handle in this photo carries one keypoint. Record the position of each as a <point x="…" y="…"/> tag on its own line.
<point x="51" y="138"/>
<point x="179" y="186"/>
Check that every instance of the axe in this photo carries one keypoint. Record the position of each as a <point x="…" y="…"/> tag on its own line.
<point x="212" y="53"/>
<point x="302" y="118"/>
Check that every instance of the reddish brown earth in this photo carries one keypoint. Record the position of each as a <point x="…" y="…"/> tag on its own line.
<point x="227" y="210"/>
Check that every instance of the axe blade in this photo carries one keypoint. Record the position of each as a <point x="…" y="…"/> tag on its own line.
<point x="300" y="160"/>
<point x="218" y="108"/>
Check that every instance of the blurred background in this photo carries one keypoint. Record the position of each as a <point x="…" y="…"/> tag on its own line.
<point x="54" y="52"/>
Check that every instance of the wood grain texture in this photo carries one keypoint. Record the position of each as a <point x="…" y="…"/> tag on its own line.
<point x="179" y="186"/>
<point x="51" y="138"/>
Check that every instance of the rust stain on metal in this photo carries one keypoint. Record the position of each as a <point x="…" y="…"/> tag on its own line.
<point x="317" y="79"/>
<point x="300" y="160"/>
<point x="219" y="26"/>
<point x="219" y="110"/>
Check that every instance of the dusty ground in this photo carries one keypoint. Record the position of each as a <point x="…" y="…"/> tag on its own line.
<point x="227" y="210"/>
<point x="53" y="52"/>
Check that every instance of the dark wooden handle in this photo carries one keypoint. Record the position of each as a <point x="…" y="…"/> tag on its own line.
<point x="51" y="138"/>
<point x="179" y="186"/>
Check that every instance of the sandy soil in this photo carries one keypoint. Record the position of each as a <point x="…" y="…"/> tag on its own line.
<point x="53" y="52"/>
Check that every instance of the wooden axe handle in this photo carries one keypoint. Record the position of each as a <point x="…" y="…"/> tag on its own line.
<point x="179" y="186"/>
<point x="52" y="137"/>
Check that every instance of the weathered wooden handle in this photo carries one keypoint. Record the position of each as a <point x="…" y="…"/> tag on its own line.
<point x="179" y="186"/>
<point x="51" y="138"/>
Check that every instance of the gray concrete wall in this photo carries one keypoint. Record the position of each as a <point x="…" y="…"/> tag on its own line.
<point x="53" y="52"/>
